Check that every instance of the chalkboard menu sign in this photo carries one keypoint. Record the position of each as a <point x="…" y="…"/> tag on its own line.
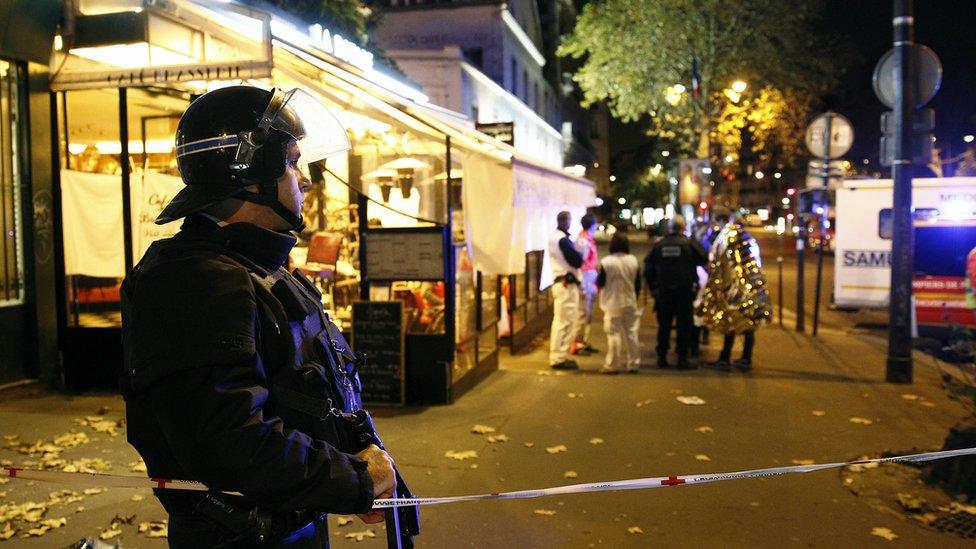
<point x="377" y="330"/>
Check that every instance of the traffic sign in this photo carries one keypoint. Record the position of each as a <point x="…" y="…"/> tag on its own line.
<point x="928" y="76"/>
<point x="837" y="143"/>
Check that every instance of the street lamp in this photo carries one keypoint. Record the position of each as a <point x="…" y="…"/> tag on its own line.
<point x="739" y="86"/>
<point x="968" y="138"/>
<point x="760" y="175"/>
<point x="777" y="175"/>
<point x="665" y="154"/>
<point x="621" y="201"/>
<point x="613" y="178"/>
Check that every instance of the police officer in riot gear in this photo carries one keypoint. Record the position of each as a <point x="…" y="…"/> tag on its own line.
<point x="233" y="374"/>
<point x="670" y="271"/>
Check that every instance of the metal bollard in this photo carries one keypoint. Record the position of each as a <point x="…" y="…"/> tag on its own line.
<point x="779" y="264"/>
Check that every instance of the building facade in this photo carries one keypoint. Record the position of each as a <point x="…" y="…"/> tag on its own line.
<point x="28" y="204"/>
<point x="456" y="49"/>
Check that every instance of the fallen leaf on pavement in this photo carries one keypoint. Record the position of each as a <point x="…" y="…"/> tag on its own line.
<point x="596" y="440"/>
<point x="912" y="503"/>
<point x="138" y="497"/>
<point x="645" y="402"/>
<point x="93" y="491"/>
<point x="803" y="462"/>
<point x="703" y="429"/>
<point x="956" y="507"/>
<point x="474" y="465"/>
<point x="138" y="467"/>
<point x="884" y="533"/>
<point x="497" y="438"/>
<point x="861" y="420"/>
<point x="702" y="457"/>
<point x="529" y="444"/>
<point x="154" y="529"/>
<point x="4" y="480"/>
<point x="360" y="536"/>
<point x="543" y="372"/>
<point x="110" y="534"/>
<point x="928" y="404"/>
<point x="482" y="429"/>
<point x="570" y="474"/>
<point x="461" y="455"/>
<point x="8" y="531"/>
<point x="859" y="467"/>
<point x="909" y="396"/>
<point x="575" y="395"/>
<point x="671" y="454"/>
<point x="635" y="530"/>
<point x="343" y="520"/>
<point x="819" y="413"/>
<point x="691" y="400"/>
<point x="556" y="449"/>
<point x="545" y="512"/>
<point x="55" y="523"/>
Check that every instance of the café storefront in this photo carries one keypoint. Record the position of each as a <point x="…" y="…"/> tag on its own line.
<point x="399" y="218"/>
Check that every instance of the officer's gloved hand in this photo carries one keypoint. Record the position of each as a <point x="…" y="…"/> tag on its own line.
<point x="379" y="465"/>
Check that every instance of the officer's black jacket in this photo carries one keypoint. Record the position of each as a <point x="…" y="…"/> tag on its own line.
<point x="196" y="377"/>
<point x="671" y="263"/>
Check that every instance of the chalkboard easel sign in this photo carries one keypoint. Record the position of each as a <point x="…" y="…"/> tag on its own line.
<point x="377" y="330"/>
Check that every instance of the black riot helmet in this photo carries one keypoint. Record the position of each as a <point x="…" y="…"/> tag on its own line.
<point x="237" y="136"/>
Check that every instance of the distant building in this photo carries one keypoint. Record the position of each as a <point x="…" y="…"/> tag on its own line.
<point x="495" y="62"/>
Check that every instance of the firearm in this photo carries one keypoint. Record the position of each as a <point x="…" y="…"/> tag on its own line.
<point x="402" y="523"/>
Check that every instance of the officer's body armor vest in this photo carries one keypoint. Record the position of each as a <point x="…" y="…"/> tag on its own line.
<point x="311" y="369"/>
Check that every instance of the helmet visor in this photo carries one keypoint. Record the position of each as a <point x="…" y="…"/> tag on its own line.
<point x="316" y="130"/>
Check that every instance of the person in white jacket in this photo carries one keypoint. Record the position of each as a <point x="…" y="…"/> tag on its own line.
<point x="619" y="282"/>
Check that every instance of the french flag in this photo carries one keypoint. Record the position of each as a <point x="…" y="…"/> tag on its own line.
<point x="695" y="79"/>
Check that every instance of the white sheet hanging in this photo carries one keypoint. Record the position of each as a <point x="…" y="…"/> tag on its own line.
<point x="92" y="217"/>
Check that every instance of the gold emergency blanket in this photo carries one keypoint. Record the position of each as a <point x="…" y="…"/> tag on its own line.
<point x="735" y="298"/>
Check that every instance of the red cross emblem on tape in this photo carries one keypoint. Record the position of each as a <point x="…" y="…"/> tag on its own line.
<point x="672" y="481"/>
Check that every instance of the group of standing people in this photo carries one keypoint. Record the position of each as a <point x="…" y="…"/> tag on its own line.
<point x="711" y="283"/>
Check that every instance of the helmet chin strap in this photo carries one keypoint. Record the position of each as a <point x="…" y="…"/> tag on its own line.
<point x="268" y="196"/>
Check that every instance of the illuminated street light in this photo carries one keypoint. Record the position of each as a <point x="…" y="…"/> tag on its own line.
<point x="777" y="175"/>
<point x="760" y="175"/>
<point x="680" y="88"/>
<point x="968" y="138"/>
<point x="621" y="201"/>
<point x="739" y="86"/>
<point x="706" y="170"/>
<point x="599" y="201"/>
<point x="613" y="178"/>
<point x="665" y="154"/>
<point x="729" y="158"/>
<point x="786" y="201"/>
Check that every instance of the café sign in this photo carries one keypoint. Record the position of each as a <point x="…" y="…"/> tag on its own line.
<point x="338" y="46"/>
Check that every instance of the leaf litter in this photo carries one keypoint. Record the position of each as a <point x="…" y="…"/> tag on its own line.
<point x="691" y="400"/>
<point x="461" y="455"/>
<point x="482" y="429"/>
<point x="556" y="449"/>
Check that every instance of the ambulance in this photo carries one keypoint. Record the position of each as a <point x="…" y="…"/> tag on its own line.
<point x="945" y="248"/>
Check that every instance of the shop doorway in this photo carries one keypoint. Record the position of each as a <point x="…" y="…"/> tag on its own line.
<point x="118" y="169"/>
<point x="17" y="339"/>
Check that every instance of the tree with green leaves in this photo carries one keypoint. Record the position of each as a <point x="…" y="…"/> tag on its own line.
<point x="639" y="56"/>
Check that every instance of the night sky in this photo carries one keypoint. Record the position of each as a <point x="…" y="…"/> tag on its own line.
<point x="948" y="27"/>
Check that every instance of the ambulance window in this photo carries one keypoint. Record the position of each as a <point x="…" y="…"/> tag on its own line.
<point x="884" y="224"/>
<point x="884" y="219"/>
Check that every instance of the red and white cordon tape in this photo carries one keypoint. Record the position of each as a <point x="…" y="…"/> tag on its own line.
<point x="129" y="481"/>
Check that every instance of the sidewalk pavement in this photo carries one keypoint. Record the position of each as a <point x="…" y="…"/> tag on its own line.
<point x="797" y="404"/>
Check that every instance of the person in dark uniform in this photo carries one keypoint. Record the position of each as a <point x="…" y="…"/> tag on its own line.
<point x="670" y="271"/>
<point x="233" y="374"/>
